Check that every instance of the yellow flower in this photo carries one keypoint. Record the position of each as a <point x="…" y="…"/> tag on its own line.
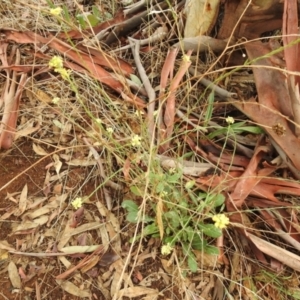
<point x="229" y="120"/>
<point x="190" y="184"/>
<point x="163" y="194"/>
<point x="136" y="140"/>
<point x="56" y="62"/>
<point x="110" y="130"/>
<point x="56" y="11"/>
<point x="77" y="203"/>
<point x="166" y="249"/>
<point x="139" y="113"/>
<point x="55" y="100"/>
<point x="186" y="58"/>
<point x="221" y="221"/>
<point x="65" y="74"/>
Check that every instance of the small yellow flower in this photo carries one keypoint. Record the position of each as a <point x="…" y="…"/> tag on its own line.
<point x="55" y="100"/>
<point x="139" y="113"/>
<point x="229" y="120"/>
<point x="98" y="121"/>
<point x="221" y="221"/>
<point x="190" y="184"/>
<point x="172" y="170"/>
<point x="136" y="140"/>
<point x="186" y="58"/>
<point x="166" y="249"/>
<point x="56" y="11"/>
<point x="77" y="203"/>
<point x="56" y="62"/>
<point x="163" y="194"/>
<point x="110" y="130"/>
<point x="65" y="74"/>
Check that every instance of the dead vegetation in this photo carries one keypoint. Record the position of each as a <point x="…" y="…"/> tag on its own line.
<point x="148" y="153"/>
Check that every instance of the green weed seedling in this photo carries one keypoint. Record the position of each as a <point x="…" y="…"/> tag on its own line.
<point x="178" y="215"/>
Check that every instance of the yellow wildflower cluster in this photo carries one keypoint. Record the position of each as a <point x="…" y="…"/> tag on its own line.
<point x="221" y="221"/>
<point x="166" y="249"/>
<point x="229" y="120"/>
<point x="56" y="11"/>
<point x="55" y="100"/>
<point x="56" y="62"/>
<point x="136" y="140"/>
<point x="77" y="203"/>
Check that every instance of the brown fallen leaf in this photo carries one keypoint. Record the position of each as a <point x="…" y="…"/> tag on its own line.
<point x="79" y="57"/>
<point x="14" y="275"/>
<point x="72" y="289"/>
<point x="286" y="257"/>
<point x="137" y="291"/>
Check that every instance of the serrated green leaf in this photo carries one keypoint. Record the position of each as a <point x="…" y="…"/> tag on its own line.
<point x="136" y="191"/>
<point x="173" y="219"/>
<point x="130" y="205"/>
<point x="192" y="263"/>
<point x="211" y="250"/>
<point x="150" y="229"/>
<point x="174" y="178"/>
<point x="132" y="217"/>
<point x="198" y="243"/>
<point x="160" y="187"/>
<point x="210" y="230"/>
<point x="218" y="200"/>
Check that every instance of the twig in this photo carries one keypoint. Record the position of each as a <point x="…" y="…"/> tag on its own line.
<point x="210" y="85"/>
<point x="158" y="35"/>
<point x="135" y="45"/>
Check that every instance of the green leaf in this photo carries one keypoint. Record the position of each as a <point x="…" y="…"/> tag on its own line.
<point x="130" y="205"/>
<point x="160" y="187"/>
<point x="96" y="12"/>
<point x="136" y="80"/>
<point x="218" y="200"/>
<point x="174" y="177"/>
<point x="150" y="229"/>
<point x="192" y="263"/>
<point x="210" y="230"/>
<point x="132" y="217"/>
<point x="250" y="129"/>
<point x="173" y="219"/>
<point x="136" y="191"/>
<point x="210" y="106"/>
<point x="93" y="20"/>
<point x="81" y="21"/>
<point x="198" y="243"/>
<point x="211" y="250"/>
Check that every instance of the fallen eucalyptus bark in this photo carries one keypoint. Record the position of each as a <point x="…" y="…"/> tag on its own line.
<point x="202" y="43"/>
